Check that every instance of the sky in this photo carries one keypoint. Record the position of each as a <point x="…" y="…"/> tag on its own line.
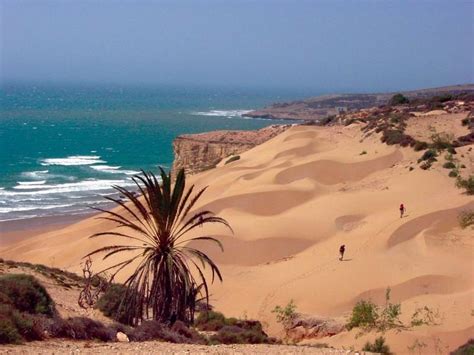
<point x="336" y="45"/>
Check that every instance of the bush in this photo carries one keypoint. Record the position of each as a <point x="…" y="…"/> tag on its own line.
<point x="442" y="141"/>
<point x="420" y="146"/>
<point x="27" y="294"/>
<point x="428" y="155"/>
<point x="110" y="303"/>
<point x="398" y="99"/>
<point x="82" y="328"/>
<point x="153" y="330"/>
<point x="364" y="315"/>
<point x="449" y="165"/>
<point x="16" y="327"/>
<point x="286" y="315"/>
<point x="395" y="136"/>
<point x="231" y="334"/>
<point x="466" y="218"/>
<point x="231" y="159"/>
<point x="426" y="165"/>
<point x="8" y="332"/>
<point x="467" y="184"/>
<point x="189" y="333"/>
<point x="453" y="173"/>
<point x="210" y="321"/>
<point x="378" y="346"/>
<point x="466" y="349"/>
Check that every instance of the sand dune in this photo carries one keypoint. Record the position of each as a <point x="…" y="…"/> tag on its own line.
<point x="292" y="201"/>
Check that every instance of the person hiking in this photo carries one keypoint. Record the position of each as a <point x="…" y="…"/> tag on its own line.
<point x="342" y="249"/>
<point x="402" y="210"/>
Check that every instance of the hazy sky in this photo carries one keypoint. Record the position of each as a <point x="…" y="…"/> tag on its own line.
<point x="364" y="45"/>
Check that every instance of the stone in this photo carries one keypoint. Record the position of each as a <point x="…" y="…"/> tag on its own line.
<point x="122" y="337"/>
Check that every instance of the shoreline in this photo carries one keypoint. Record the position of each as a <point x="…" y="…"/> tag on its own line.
<point x="18" y="230"/>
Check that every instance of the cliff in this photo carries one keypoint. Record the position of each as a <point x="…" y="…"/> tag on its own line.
<point x="199" y="152"/>
<point x="317" y="108"/>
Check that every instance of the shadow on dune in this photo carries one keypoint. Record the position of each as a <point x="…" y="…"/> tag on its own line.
<point x="252" y="252"/>
<point x="330" y="172"/>
<point x="442" y="221"/>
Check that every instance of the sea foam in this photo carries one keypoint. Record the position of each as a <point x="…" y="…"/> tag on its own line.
<point x="221" y="113"/>
<point x="73" y="160"/>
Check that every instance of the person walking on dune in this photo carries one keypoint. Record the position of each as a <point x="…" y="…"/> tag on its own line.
<point x="402" y="210"/>
<point x="342" y="249"/>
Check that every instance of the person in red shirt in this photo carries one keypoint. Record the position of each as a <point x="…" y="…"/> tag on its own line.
<point x="402" y="210"/>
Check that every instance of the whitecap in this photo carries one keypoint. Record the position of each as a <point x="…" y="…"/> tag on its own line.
<point x="32" y="183"/>
<point x="221" y="113"/>
<point x="113" y="170"/>
<point x="31" y="208"/>
<point x="87" y="185"/>
<point x="73" y="160"/>
<point x="35" y="175"/>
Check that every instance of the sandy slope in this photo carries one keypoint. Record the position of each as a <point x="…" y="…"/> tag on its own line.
<point x="292" y="201"/>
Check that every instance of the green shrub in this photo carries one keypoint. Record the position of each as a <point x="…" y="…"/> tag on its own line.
<point x="16" y="327"/>
<point x="389" y="317"/>
<point x="182" y="329"/>
<point x="231" y="159"/>
<point x="466" y="349"/>
<point x="364" y="315"/>
<point x="286" y="315"/>
<point x="398" y="99"/>
<point x="27" y="294"/>
<point x="396" y="136"/>
<point x="467" y="184"/>
<point x="110" y="303"/>
<point x="426" y="165"/>
<point x="466" y="218"/>
<point x="8" y="332"/>
<point x="453" y="173"/>
<point x="428" y="155"/>
<point x="420" y="146"/>
<point x="231" y="334"/>
<point x="425" y="316"/>
<point x="449" y="165"/>
<point x="82" y="328"/>
<point x="442" y="141"/>
<point x="210" y="321"/>
<point x="378" y="346"/>
<point x="153" y="330"/>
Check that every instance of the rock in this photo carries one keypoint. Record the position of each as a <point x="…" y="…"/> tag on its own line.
<point x="122" y="337"/>
<point x="199" y="152"/>
<point x="309" y="327"/>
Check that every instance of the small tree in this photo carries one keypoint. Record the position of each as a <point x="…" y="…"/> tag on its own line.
<point x="286" y="315"/>
<point x="378" y="346"/>
<point x="398" y="99"/>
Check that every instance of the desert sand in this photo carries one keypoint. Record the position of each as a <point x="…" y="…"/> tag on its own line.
<point x="292" y="202"/>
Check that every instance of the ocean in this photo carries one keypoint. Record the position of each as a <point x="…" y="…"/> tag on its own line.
<point x="63" y="147"/>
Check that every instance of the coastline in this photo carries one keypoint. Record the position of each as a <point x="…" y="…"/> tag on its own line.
<point x="15" y="231"/>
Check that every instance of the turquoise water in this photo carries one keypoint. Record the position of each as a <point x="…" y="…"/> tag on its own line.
<point x="61" y="148"/>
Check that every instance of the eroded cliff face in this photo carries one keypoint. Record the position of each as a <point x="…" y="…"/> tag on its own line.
<point x="199" y="152"/>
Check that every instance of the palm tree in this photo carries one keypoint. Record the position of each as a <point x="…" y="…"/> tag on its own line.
<point x="163" y="282"/>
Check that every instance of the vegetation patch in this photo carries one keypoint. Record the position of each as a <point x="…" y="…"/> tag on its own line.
<point x="26" y="294"/>
<point x="378" y="346"/>
<point x="466" y="349"/>
<point x="466" y="218"/>
<point x="112" y="305"/>
<point x="467" y="184"/>
<point x="398" y="99"/>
